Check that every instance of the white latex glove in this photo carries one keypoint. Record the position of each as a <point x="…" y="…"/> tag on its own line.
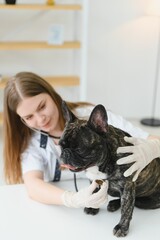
<point x="144" y="151"/>
<point x="85" y="197"/>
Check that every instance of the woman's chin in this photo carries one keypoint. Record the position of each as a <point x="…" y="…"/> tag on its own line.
<point x="46" y="128"/>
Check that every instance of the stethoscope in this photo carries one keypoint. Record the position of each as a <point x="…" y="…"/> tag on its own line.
<point x="43" y="143"/>
<point x="45" y="136"/>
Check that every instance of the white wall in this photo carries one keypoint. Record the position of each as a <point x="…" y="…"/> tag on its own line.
<point x="121" y="53"/>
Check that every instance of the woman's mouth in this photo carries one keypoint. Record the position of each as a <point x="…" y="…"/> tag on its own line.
<point x="46" y="125"/>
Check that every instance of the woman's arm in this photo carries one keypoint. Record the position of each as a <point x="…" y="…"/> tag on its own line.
<point x="42" y="191"/>
<point x="153" y="137"/>
<point x="47" y="193"/>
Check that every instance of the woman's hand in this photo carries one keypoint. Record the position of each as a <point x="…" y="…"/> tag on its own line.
<point x="143" y="152"/>
<point x="85" y="197"/>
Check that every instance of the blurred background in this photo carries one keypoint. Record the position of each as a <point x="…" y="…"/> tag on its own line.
<point x="117" y="60"/>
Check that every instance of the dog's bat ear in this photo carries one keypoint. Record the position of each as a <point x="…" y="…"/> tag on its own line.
<point x="68" y="115"/>
<point x="99" y="119"/>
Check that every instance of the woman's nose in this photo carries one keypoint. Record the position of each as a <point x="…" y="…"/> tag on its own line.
<point x="40" y="119"/>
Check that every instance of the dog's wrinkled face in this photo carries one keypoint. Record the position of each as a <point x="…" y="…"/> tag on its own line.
<point x="82" y="142"/>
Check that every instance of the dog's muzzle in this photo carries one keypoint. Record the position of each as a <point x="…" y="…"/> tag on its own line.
<point x="65" y="158"/>
<point x="66" y="155"/>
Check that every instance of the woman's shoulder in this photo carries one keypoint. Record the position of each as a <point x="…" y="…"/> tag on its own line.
<point x="83" y="111"/>
<point x="35" y="138"/>
<point x="41" y="144"/>
<point x="119" y="122"/>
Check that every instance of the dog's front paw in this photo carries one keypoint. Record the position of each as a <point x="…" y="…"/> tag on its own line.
<point x="91" y="211"/>
<point x="114" y="205"/>
<point x="120" y="231"/>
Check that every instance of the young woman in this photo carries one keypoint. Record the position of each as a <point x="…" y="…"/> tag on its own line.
<point x="33" y="124"/>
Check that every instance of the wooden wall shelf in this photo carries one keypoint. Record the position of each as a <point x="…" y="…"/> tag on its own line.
<point x="55" y="81"/>
<point x="37" y="45"/>
<point x="1" y="118"/>
<point x="60" y="81"/>
<point x="42" y="7"/>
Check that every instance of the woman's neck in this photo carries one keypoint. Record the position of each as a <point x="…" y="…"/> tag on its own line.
<point x="56" y="141"/>
<point x="56" y="133"/>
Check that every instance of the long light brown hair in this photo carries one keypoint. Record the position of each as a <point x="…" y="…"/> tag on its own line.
<point x="16" y="133"/>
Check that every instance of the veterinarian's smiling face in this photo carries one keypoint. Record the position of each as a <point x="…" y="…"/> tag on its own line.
<point x="39" y="112"/>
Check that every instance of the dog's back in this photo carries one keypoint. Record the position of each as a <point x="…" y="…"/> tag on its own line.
<point x="147" y="186"/>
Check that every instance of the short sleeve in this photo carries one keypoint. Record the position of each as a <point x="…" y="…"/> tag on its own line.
<point x="31" y="161"/>
<point x="83" y="112"/>
<point x="119" y="122"/>
<point x="35" y="158"/>
<point x="114" y="120"/>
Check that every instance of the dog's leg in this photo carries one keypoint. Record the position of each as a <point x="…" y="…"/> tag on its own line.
<point x="114" y="205"/>
<point x="91" y="211"/>
<point x="127" y="206"/>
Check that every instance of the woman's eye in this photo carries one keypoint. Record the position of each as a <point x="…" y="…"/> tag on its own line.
<point x="42" y="107"/>
<point x="28" y="118"/>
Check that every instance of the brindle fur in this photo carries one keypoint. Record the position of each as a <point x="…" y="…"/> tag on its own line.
<point x="94" y="142"/>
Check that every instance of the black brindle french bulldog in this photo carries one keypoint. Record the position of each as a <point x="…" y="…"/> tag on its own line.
<point x="94" y="143"/>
